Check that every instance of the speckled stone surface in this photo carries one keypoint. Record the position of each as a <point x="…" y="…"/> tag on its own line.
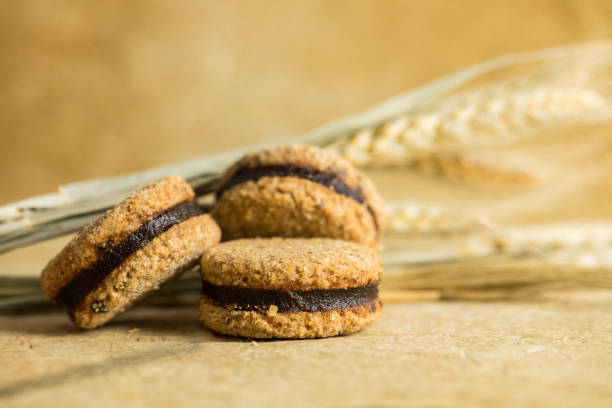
<point x="431" y="354"/>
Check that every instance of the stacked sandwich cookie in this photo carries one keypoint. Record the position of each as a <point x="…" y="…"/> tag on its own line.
<point x="309" y="280"/>
<point x="135" y="247"/>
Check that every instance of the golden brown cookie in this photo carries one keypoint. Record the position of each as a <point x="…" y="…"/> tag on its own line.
<point x="297" y="191"/>
<point x="130" y="251"/>
<point x="289" y="287"/>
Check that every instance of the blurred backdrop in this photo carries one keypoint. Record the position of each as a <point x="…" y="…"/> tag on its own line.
<point x="100" y="89"/>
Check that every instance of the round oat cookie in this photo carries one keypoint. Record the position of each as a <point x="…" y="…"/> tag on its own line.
<point x="289" y="287"/>
<point x="130" y="251"/>
<point x="297" y="191"/>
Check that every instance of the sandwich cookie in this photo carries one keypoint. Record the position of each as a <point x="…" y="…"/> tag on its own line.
<point x="289" y="288"/>
<point x="297" y="191"/>
<point x="131" y="250"/>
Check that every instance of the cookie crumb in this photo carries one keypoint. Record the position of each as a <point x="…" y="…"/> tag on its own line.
<point x="272" y="311"/>
<point x="134" y="330"/>
<point x="99" y="306"/>
<point x="253" y="342"/>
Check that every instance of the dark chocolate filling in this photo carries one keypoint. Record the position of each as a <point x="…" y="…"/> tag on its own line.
<point x="328" y="180"/>
<point x="311" y="300"/>
<point x="73" y="294"/>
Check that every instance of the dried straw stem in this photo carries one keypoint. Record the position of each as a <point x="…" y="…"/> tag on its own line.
<point x="506" y="276"/>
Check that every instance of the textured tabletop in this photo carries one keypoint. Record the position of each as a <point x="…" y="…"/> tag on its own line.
<point x="428" y="354"/>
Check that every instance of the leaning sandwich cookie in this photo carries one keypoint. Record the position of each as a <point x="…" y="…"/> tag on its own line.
<point x="289" y="288"/>
<point x="297" y="191"/>
<point x="132" y="249"/>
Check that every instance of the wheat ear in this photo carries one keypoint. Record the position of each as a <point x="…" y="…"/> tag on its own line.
<point x="492" y="115"/>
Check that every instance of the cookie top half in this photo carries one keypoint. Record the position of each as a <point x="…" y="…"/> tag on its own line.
<point x="291" y="264"/>
<point x="307" y="162"/>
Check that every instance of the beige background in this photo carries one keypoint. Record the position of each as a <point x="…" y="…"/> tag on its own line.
<point x="110" y="87"/>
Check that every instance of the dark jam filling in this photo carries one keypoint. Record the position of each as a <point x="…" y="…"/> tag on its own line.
<point x="73" y="294"/>
<point x="328" y="180"/>
<point x="290" y="300"/>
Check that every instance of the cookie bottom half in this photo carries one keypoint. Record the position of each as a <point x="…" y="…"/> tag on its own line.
<point x="291" y="325"/>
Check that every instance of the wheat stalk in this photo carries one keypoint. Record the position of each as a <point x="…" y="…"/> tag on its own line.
<point x="504" y="274"/>
<point x="520" y="262"/>
<point x="429" y="128"/>
<point x="579" y="245"/>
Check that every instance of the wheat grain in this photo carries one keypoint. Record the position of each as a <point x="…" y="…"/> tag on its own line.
<point x="420" y="218"/>
<point x="465" y="167"/>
